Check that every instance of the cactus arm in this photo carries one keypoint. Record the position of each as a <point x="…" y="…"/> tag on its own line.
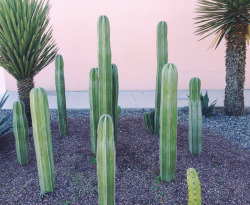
<point x="106" y="161"/>
<point x="94" y="106"/>
<point x="42" y="139"/>
<point x="168" y="122"/>
<point x="60" y="92"/>
<point x="162" y="59"/>
<point x="20" y="128"/>
<point x="104" y="66"/>
<point x="193" y="187"/>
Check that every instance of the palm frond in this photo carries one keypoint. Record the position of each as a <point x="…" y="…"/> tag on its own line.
<point x="26" y="41"/>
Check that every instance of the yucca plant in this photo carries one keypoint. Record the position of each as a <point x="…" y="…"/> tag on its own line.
<point x="5" y="119"/>
<point x="26" y="43"/>
<point x="229" y="19"/>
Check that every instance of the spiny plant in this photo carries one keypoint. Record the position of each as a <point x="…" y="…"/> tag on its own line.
<point x="5" y="118"/>
<point x="162" y="59"/>
<point x="205" y="108"/>
<point x="60" y="93"/>
<point x="194" y="189"/>
<point x="26" y="43"/>
<point x="195" y="117"/>
<point x="42" y="139"/>
<point x="168" y="122"/>
<point x="229" y="19"/>
<point x="21" y="132"/>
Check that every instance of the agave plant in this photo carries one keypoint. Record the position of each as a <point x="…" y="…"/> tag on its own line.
<point x="26" y="42"/>
<point x="229" y="19"/>
<point x="5" y="119"/>
<point x="206" y="109"/>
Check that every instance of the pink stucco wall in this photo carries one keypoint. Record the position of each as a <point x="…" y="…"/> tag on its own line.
<point x="133" y="43"/>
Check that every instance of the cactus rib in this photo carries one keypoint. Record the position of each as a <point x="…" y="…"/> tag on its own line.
<point x="193" y="187"/>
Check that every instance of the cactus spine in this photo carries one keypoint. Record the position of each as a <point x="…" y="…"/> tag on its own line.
<point x="20" y="128"/>
<point x="94" y="106"/>
<point x="104" y="66"/>
<point x="115" y="91"/>
<point x="60" y="92"/>
<point x="168" y="122"/>
<point x="195" y="117"/>
<point x="106" y="161"/>
<point x="42" y="139"/>
<point x="194" y="188"/>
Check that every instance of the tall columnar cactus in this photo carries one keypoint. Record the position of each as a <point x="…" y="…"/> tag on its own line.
<point x="94" y="106"/>
<point x="106" y="161"/>
<point x="162" y="59"/>
<point x="195" y="117"/>
<point x="21" y="132"/>
<point x="60" y="92"/>
<point x="115" y="91"/>
<point x="104" y="66"/>
<point x="168" y="122"/>
<point x="194" y="188"/>
<point x="42" y="139"/>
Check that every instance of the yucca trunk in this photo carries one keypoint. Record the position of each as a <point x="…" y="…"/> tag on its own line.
<point x="235" y="70"/>
<point x="24" y="87"/>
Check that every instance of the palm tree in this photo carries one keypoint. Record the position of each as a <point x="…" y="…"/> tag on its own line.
<point x="26" y="44"/>
<point x="229" y="19"/>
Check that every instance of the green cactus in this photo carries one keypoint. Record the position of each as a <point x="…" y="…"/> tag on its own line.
<point x="106" y="161"/>
<point x="149" y="121"/>
<point x="60" y="92"/>
<point x="42" y="139"/>
<point x="104" y="66"/>
<point x="21" y="132"/>
<point x="195" y="117"/>
<point x="162" y="59"/>
<point x="94" y="106"/>
<point x="115" y="91"/>
<point x="168" y="122"/>
<point x="194" y="188"/>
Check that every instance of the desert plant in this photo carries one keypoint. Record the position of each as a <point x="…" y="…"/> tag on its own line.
<point x="205" y="108"/>
<point x="168" y="122"/>
<point x="42" y="139"/>
<point x="5" y="119"/>
<point x="106" y="161"/>
<point x="26" y="44"/>
<point x="115" y="92"/>
<point x="229" y="19"/>
<point x="149" y="121"/>
<point x="21" y="132"/>
<point x="195" y="117"/>
<point x="162" y="59"/>
<point x="60" y="93"/>
<point x="94" y="106"/>
<point x="194" y="189"/>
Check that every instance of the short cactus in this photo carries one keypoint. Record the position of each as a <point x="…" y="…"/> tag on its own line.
<point x="149" y="121"/>
<point x="21" y="132"/>
<point x="42" y="139"/>
<point x="60" y="92"/>
<point x="168" y="122"/>
<point x="106" y="161"/>
<point x="195" y="117"/>
<point x="94" y="106"/>
<point x="115" y="91"/>
<point x="194" y="188"/>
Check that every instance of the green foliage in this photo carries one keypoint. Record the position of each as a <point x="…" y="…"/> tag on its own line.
<point x="26" y="44"/>
<point x="5" y="119"/>
<point x="168" y="122"/>
<point x="149" y="121"/>
<point x="206" y="109"/>
<point x="60" y="93"/>
<point x="220" y="16"/>
<point x="194" y="189"/>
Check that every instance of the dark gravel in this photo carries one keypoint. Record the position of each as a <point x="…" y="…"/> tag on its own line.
<point x="223" y="167"/>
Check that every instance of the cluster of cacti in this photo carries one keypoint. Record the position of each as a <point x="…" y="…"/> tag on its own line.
<point x="60" y="92"/>
<point x="103" y="85"/>
<point x="168" y="122"/>
<point x="42" y="139"/>
<point x="20" y="128"/>
<point x="194" y="189"/>
<point x="105" y="158"/>
<point x="195" y="117"/>
<point x="162" y="59"/>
